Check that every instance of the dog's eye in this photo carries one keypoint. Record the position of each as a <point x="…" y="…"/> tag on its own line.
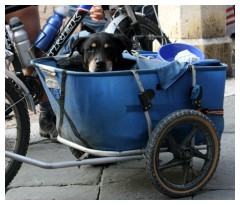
<point x="92" y="47"/>
<point x="107" y="46"/>
<point x="90" y="50"/>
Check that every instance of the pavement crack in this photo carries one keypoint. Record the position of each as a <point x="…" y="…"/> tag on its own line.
<point x="227" y="132"/>
<point x="99" y="183"/>
<point x="39" y="141"/>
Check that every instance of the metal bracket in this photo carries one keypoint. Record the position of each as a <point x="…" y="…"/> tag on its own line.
<point x="145" y="99"/>
<point x="196" y="90"/>
<point x="146" y="113"/>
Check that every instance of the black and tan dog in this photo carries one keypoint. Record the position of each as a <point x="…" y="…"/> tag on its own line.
<point x="102" y="51"/>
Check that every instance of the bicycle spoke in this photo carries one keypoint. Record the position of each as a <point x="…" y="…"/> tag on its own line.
<point x="170" y="164"/>
<point x="188" y="139"/>
<point x="173" y="145"/>
<point x="17" y="128"/>
<point x="198" y="154"/>
<point x="185" y="172"/>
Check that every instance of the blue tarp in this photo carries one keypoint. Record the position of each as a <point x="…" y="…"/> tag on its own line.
<point x="168" y="72"/>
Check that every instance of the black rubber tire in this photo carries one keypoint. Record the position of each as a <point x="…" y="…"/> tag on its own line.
<point x="179" y="169"/>
<point x="20" y="113"/>
<point x="147" y="27"/>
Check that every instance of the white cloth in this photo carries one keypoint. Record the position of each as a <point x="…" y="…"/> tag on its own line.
<point x="186" y="56"/>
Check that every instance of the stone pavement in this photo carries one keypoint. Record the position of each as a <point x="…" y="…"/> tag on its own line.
<point x="121" y="181"/>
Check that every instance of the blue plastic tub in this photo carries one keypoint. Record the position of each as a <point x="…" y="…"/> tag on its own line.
<point x="105" y="108"/>
<point x="169" y="51"/>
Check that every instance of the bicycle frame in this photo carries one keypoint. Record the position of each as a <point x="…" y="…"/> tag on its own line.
<point x="129" y="13"/>
<point x="72" y="24"/>
<point x="69" y="28"/>
<point x="11" y="53"/>
<point x="77" y="18"/>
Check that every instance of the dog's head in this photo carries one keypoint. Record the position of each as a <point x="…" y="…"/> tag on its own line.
<point x="102" y="51"/>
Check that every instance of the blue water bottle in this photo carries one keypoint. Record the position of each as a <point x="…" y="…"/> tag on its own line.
<point x="51" y="28"/>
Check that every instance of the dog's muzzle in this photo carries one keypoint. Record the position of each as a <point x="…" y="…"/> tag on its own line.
<point x="101" y="64"/>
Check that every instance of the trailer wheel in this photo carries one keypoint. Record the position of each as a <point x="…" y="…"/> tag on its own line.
<point x="182" y="153"/>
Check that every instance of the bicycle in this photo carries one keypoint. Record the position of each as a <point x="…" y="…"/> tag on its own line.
<point x="135" y="26"/>
<point x="22" y="92"/>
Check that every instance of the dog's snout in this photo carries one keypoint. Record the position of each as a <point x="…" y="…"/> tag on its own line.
<point x="100" y="63"/>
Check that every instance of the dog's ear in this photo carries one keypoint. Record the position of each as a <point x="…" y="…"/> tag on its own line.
<point x="77" y="44"/>
<point x="125" y="41"/>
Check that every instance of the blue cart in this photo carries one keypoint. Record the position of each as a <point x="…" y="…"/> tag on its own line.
<point x="169" y="113"/>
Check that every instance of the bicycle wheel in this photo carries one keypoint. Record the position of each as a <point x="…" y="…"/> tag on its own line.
<point x="148" y="33"/>
<point x="182" y="153"/>
<point x="17" y="128"/>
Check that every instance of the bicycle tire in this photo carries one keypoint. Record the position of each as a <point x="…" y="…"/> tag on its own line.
<point x="148" y="28"/>
<point x="175" y="164"/>
<point x="19" y="115"/>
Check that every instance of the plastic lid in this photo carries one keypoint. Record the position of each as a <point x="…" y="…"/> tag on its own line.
<point x="62" y="10"/>
<point x="15" y="22"/>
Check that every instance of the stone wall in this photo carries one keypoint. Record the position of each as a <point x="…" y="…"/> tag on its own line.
<point x="201" y="25"/>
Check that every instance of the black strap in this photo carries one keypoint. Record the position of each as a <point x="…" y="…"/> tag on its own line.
<point x="62" y="100"/>
<point x="64" y="113"/>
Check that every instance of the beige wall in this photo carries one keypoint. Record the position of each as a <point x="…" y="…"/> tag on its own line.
<point x="201" y="25"/>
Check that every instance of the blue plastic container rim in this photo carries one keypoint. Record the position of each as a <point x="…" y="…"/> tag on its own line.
<point x="169" y="51"/>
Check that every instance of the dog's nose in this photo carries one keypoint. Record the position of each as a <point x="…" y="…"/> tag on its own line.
<point x="100" y="63"/>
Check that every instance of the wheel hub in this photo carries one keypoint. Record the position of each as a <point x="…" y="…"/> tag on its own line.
<point x="186" y="154"/>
